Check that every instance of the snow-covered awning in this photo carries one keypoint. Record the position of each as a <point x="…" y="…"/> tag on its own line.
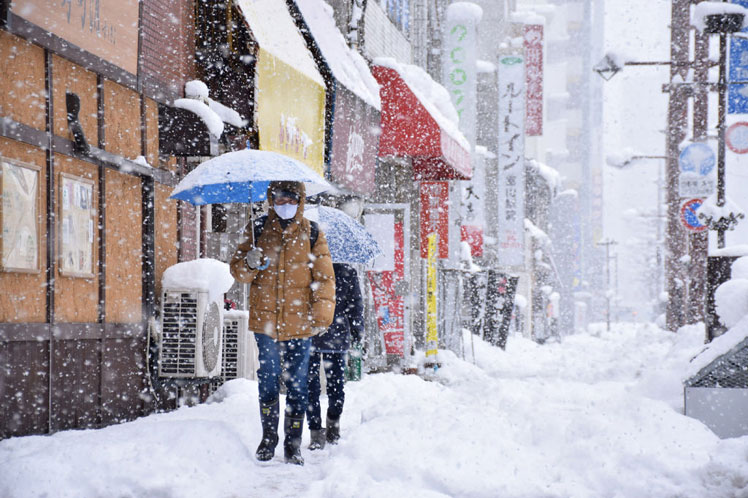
<point x="419" y="120"/>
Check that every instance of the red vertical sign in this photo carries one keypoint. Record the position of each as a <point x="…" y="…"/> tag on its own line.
<point x="389" y="306"/>
<point x="534" y="79"/>
<point x="435" y="216"/>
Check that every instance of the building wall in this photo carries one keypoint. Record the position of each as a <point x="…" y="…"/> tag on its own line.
<point x="382" y="38"/>
<point x="73" y="348"/>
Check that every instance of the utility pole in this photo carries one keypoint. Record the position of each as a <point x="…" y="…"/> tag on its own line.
<point x="607" y="243"/>
<point x="675" y="237"/>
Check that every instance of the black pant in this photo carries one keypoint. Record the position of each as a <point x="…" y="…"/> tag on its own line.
<point x="334" y="364"/>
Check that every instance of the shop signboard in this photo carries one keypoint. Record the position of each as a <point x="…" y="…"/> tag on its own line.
<point x="737" y="93"/>
<point x="105" y="28"/>
<point x="355" y="141"/>
<point x="432" y="335"/>
<point x="435" y="217"/>
<point x="290" y="99"/>
<point x="534" y="79"/>
<point x="460" y="75"/>
<point x="384" y="277"/>
<point x="511" y="229"/>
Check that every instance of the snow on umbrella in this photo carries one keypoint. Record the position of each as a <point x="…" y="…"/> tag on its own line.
<point x="243" y="176"/>
<point x="348" y="240"/>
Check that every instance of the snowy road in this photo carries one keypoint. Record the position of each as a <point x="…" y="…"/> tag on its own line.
<point x="596" y="415"/>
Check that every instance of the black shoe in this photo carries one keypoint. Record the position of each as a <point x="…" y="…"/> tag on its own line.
<point x="318" y="439"/>
<point x="333" y="430"/>
<point x="269" y="415"/>
<point x="292" y="443"/>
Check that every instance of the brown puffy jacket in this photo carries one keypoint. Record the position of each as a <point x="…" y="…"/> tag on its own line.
<point x="296" y="292"/>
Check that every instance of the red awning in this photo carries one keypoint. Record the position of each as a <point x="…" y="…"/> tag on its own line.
<point x="408" y="129"/>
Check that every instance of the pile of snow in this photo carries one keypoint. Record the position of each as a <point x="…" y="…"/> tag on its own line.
<point x="204" y="274"/>
<point x="433" y="96"/>
<point x="709" y="212"/>
<point x="588" y="416"/>
<point x="485" y="66"/>
<point x="198" y="90"/>
<point x="347" y="65"/>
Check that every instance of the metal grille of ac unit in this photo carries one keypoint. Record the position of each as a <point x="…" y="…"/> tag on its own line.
<point x="179" y="333"/>
<point x="729" y="370"/>
<point x="230" y="367"/>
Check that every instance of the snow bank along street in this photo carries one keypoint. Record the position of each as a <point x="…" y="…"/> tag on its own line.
<point x="595" y="415"/>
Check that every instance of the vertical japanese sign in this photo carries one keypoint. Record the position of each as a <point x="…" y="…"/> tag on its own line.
<point x="534" y="79"/>
<point x="432" y="336"/>
<point x="737" y="93"/>
<point x="511" y="160"/>
<point x="460" y="76"/>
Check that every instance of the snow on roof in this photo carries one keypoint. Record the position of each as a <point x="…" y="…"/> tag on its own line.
<point x="212" y="120"/>
<point x="464" y="11"/>
<point x="433" y="96"/>
<point x="536" y="233"/>
<point x="718" y="347"/>
<point x="280" y="37"/>
<point x="526" y="17"/>
<point x="204" y="274"/>
<point x="704" y="9"/>
<point x="550" y="175"/>
<point x="347" y="65"/>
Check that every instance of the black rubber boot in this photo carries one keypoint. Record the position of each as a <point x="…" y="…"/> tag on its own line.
<point x="318" y="439"/>
<point x="333" y="430"/>
<point x="292" y="443"/>
<point x="269" y="415"/>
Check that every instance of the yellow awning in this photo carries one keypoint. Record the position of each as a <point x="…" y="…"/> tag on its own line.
<point x="290" y="98"/>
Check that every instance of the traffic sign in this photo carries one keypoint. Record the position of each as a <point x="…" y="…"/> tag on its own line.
<point x="692" y="185"/>
<point x="736" y="137"/>
<point x="697" y="158"/>
<point x="688" y="215"/>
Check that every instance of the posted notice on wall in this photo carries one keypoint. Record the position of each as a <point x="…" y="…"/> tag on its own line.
<point x="76" y="226"/>
<point x="20" y="216"/>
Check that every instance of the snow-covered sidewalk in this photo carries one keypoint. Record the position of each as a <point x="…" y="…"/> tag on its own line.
<point x="595" y="415"/>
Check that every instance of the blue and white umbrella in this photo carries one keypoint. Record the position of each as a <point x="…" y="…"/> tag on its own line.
<point x="243" y="176"/>
<point x="349" y="241"/>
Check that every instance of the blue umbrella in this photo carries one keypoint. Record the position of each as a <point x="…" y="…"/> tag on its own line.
<point x="243" y="176"/>
<point x="349" y="241"/>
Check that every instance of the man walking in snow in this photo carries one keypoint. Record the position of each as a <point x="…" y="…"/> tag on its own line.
<point x="329" y="350"/>
<point x="291" y="298"/>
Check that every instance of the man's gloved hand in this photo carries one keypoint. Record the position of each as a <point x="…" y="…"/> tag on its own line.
<point x="318" y="330"/>
<point x="256" y="260"/>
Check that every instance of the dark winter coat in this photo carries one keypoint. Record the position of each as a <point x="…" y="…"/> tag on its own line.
<point x="296" y="292"/>
<point x="349" y="313"/>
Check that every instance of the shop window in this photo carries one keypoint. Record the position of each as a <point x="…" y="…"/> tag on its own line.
<point x="398" y="12"/>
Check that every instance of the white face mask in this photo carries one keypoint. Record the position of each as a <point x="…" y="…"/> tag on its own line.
<point x="286" y="211"/>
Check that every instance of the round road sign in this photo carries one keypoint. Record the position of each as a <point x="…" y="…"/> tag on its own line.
<point x="697" y="158"/>
<point x="736" y="137"/>
<point x="688" y="215"/>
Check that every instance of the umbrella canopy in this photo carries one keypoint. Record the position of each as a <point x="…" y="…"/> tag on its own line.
<point x="349" y="241"/>
<point x="243" y="176"/>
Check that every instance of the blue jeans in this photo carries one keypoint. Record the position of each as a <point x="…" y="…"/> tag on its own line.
<point x="334" y="364"/>
<point x="295" y="354"/>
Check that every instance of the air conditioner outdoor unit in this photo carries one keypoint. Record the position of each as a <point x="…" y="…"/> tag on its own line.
<point x="240" y="357"/>
<point x="190" y="344"/>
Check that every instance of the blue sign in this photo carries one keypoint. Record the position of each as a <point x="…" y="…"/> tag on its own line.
<point x="737" y="93"/>
<point x="697" y="158"/>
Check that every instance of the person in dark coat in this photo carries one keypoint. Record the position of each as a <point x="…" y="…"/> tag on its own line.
<point x="329" y="349"/>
